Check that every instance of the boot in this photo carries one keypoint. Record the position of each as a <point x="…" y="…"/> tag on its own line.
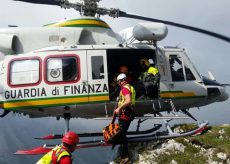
<point x="125" y="161"/>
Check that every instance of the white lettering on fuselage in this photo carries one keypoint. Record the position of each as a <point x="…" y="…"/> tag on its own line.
<point x="85" y="89"/>
<point x="25" y="93"/>
<point x="56" y="91"/>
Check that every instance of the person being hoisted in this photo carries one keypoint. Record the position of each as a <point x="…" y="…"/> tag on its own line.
<point x="62" y="154"/>
<point x="150" y="77"/>
<point x="125" y="112"/>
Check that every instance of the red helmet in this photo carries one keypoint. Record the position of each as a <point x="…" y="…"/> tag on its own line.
<point x="70" y="138"/>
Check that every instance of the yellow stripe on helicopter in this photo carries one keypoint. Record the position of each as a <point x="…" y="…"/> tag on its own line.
<point x="80" y="23"/>
<point x="55" y="101"/>
<point x="177" y="94"/>
<point x="82" y="99"/>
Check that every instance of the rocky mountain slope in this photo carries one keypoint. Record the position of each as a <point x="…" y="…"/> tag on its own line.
<point x="212" y="147"/>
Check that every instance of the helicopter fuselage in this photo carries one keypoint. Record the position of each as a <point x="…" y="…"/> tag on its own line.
<point x="77" y="81"/>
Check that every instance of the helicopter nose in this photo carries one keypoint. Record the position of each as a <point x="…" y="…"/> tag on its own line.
<point x="223" y="94"/>
<point x="217" y="93"/>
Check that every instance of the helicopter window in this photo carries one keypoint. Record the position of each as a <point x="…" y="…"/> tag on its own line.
<point x="97" y="67"/>
<point x="188" y="72"/>
<point x="24" y="72"/>
<point x="176" y="67"/>
<point x="62" y="69"/>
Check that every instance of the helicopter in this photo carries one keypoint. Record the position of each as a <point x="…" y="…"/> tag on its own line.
<point x="64" y="69"/>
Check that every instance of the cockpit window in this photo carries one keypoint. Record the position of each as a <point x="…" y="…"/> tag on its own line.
<point x="62" y="69"/>
<point x="180" y="69"/>
<point x="176" y="68"/>
<point x="188" y="72"/>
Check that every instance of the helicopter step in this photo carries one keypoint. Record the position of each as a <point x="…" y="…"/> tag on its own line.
<point x="157" y="105"/>
<point x="101" y="143"/>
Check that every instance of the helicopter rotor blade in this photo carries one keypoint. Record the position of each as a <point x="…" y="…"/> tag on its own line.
<point x="46" y="2"/>
<point x="91" y="10"/>
<point x="210" y="33"/>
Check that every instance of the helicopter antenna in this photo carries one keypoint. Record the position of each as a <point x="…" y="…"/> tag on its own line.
<point x="90" y="8"/>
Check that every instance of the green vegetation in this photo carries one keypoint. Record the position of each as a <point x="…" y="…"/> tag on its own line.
<point x="217" y="137"/>
<point x="199" y="149"/>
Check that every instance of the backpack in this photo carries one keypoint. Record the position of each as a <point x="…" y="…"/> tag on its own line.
<point x="111" y="133"/>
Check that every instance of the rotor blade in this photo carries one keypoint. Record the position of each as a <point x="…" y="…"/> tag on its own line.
<point x="210" y="33"/>
<point x="33" y="151"/>
<point x="46" y="148"/>
<point x="225" y="85"/>
<point x="46" y="2"/>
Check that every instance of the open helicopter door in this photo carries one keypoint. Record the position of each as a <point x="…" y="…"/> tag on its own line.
<point x="97" y="76"/>
<point x="184" y="81"/>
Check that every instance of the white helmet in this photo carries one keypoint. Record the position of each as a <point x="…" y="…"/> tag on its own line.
<point x="121" y="76"/>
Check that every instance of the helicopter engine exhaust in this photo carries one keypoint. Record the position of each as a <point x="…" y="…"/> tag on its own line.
<point x="150" y="31"/>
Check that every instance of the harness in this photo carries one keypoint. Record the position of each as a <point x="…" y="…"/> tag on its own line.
<point x="127" y="113"/>
<point x="152" y="71"/>
<point x="54" y="156"/>
<point x="132" y="92"/>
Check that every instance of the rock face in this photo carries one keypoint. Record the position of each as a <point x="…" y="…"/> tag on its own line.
<point x="222" y="156"/>
<point x="211" y="147"/>
<point x="165" y="148"/>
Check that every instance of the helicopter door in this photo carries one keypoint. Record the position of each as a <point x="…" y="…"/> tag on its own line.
<point x="184" y="80"/>
<point x="97" y="76"/>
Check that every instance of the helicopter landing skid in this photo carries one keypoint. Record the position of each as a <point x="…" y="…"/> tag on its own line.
<point x="156" y="127"/>
<point x="132" y="136"/>
<point x="98" y="134"/>
<point x="101" y="143"/>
